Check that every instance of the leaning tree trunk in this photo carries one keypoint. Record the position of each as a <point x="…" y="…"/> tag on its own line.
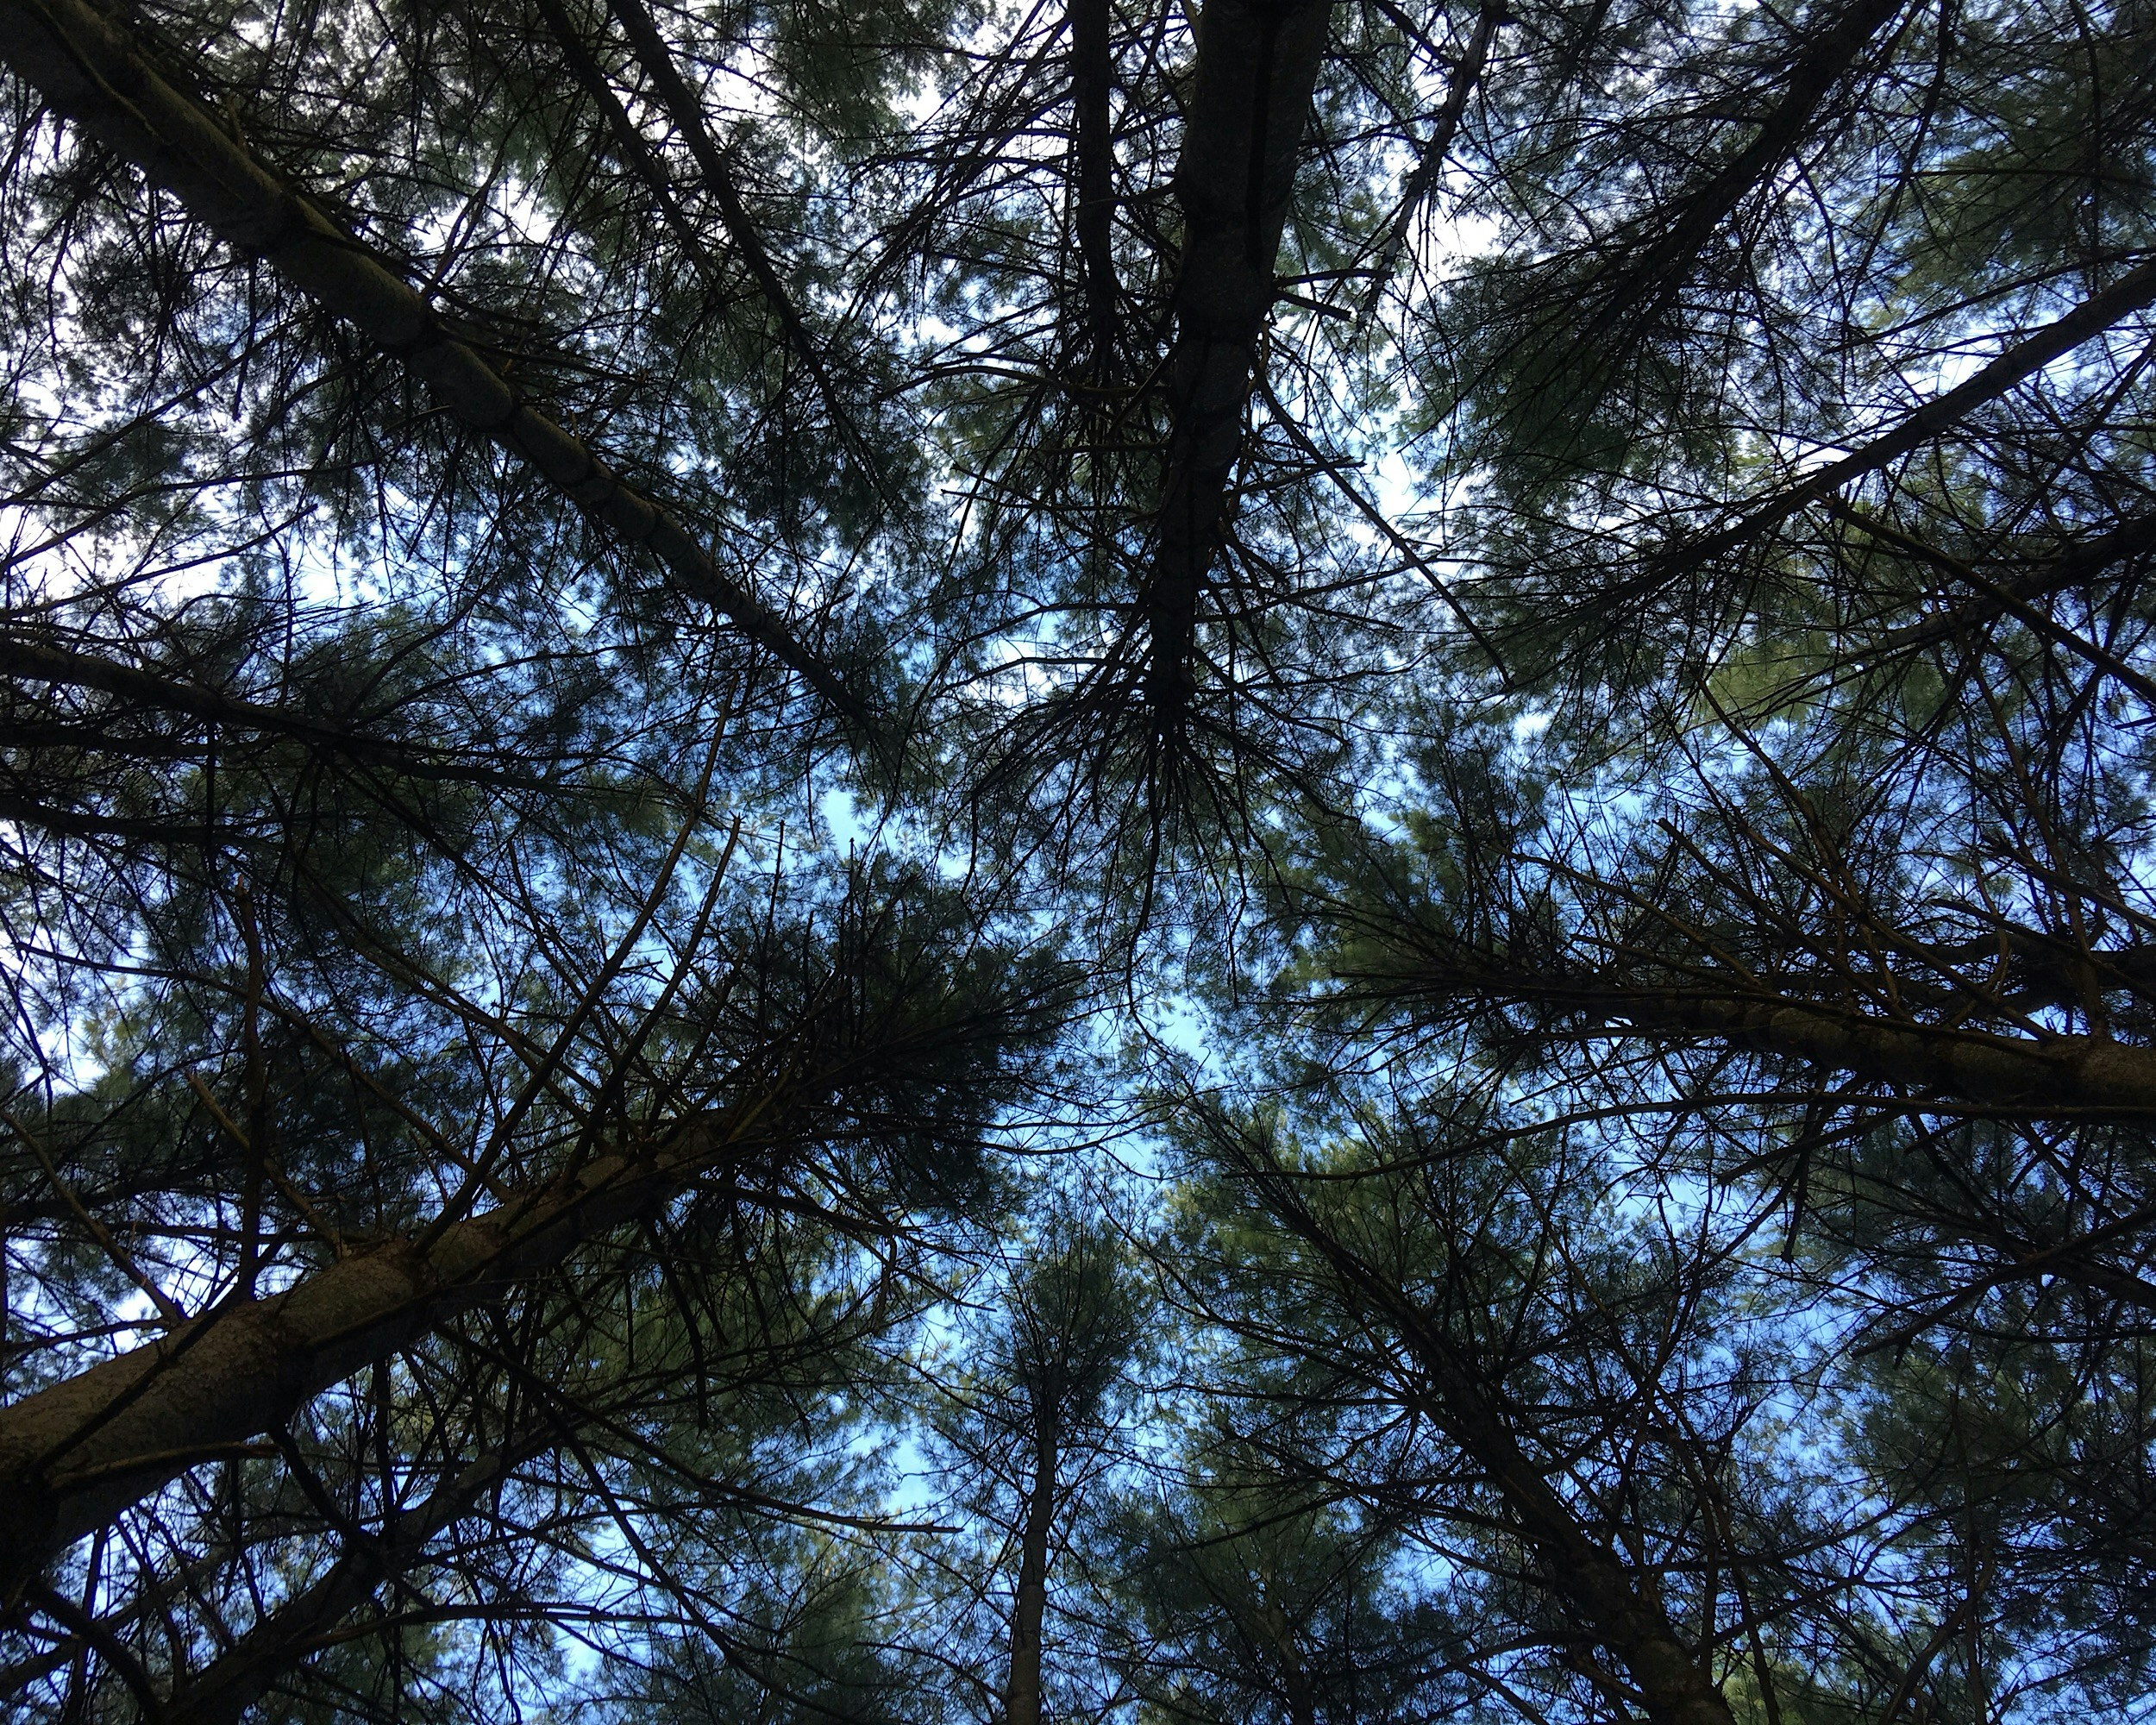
<point x="2132" y="292"/>
<point x="2054" y="1074"/>
<point x="2067" y="1074"/>
<point x="83" y="65"/>
<point x="1619" y="1605"/>
<point x="75" y="1455"/>
<point x="1668" y="260"/>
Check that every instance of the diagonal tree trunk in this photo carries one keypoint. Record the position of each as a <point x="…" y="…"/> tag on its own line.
<point x="2134" y="291"/>
<point x="2066" y="1074"/>
<point x="39" y="662"/>
<point x="222" y="1690"/>
<point x="682" y="106"/>
<point x="1619" y="1605"/>
<point x="630" y="147"/>
<point x="75" y="1455"/>
<point x="1661" y="269"/>
<point x="2079" y="563"/>
<point x="83" y="65"/>
<point x="1256" y="73"/>
<point x="2056" y="1073"/>
<point x="1467" y="75"/>
<point x="2015" y="592"/>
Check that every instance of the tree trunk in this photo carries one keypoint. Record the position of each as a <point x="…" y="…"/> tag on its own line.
<point x="2063" y="1073"/>
<point x="244" y="1672"/>
<point x="1256" y="71"/>
<point x="1022" y="1695"/>
<point x="2134" y="291"/>
<point x="74" y="1456"/>
<point x="2017" y="1074"/>
<point x="1467" y="73"/>
<point x="83" y="66"/>
<point x="682" y="106"/>
<point x="46" y="665"/>
<point x="1294" y="1681"/>
<point x="1092" y="142"/>
<point x="1621" y="1607"/>
<point x="1661" y="269"/>
<point x="2077" y="563"/>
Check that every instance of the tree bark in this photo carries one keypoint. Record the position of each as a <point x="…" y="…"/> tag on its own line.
<point x="75" y="1455"/>
<point x="630" y="147"/>
<point x="1256" y="73"/>
<point x="224" y="1689"/>
<point x="2067" y="1074"/>
<point x="1621" y="1607"/>
<point x="85" y="68"/>
<point x="1092" y="144"/>
<point x="2056" y="1073"/>
<point x="1022" y="1694"/>
<point x="2079" y="563"/>
<point x="1279" y="1634"/>
<point x="1618" y="1605"/>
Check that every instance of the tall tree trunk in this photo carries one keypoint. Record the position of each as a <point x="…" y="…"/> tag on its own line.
<point x="683" y="107"/>
<point x="1618" y="1605"/>
<point x="2078" y="562"/>
<point x="1662" y="268"/>
<point x="1294" y="1681"/>
<point x="1022" y="1693"/>
<point x="2067" y="1073"/>
<point x="74" y="1456"/>
<point x="2020" y="1074"/>
<point x="1467" y="73"/>
<point x="1256" y="72"/>
<point x="84" y="66"/>
<point x="45" y="665"/>
<point x="1621" y="1607"/>
<point x="1092" y="142"/>
<point x="2135" y="290"/>
<point x="285" y="1639"/>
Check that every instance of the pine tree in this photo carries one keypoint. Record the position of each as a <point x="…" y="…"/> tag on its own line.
<point x="1492" y="659"/>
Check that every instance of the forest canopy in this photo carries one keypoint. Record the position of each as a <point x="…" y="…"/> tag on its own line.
<point x="982" y="861"/>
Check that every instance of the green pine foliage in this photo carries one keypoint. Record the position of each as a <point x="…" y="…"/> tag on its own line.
<point x="949" y="863"/>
